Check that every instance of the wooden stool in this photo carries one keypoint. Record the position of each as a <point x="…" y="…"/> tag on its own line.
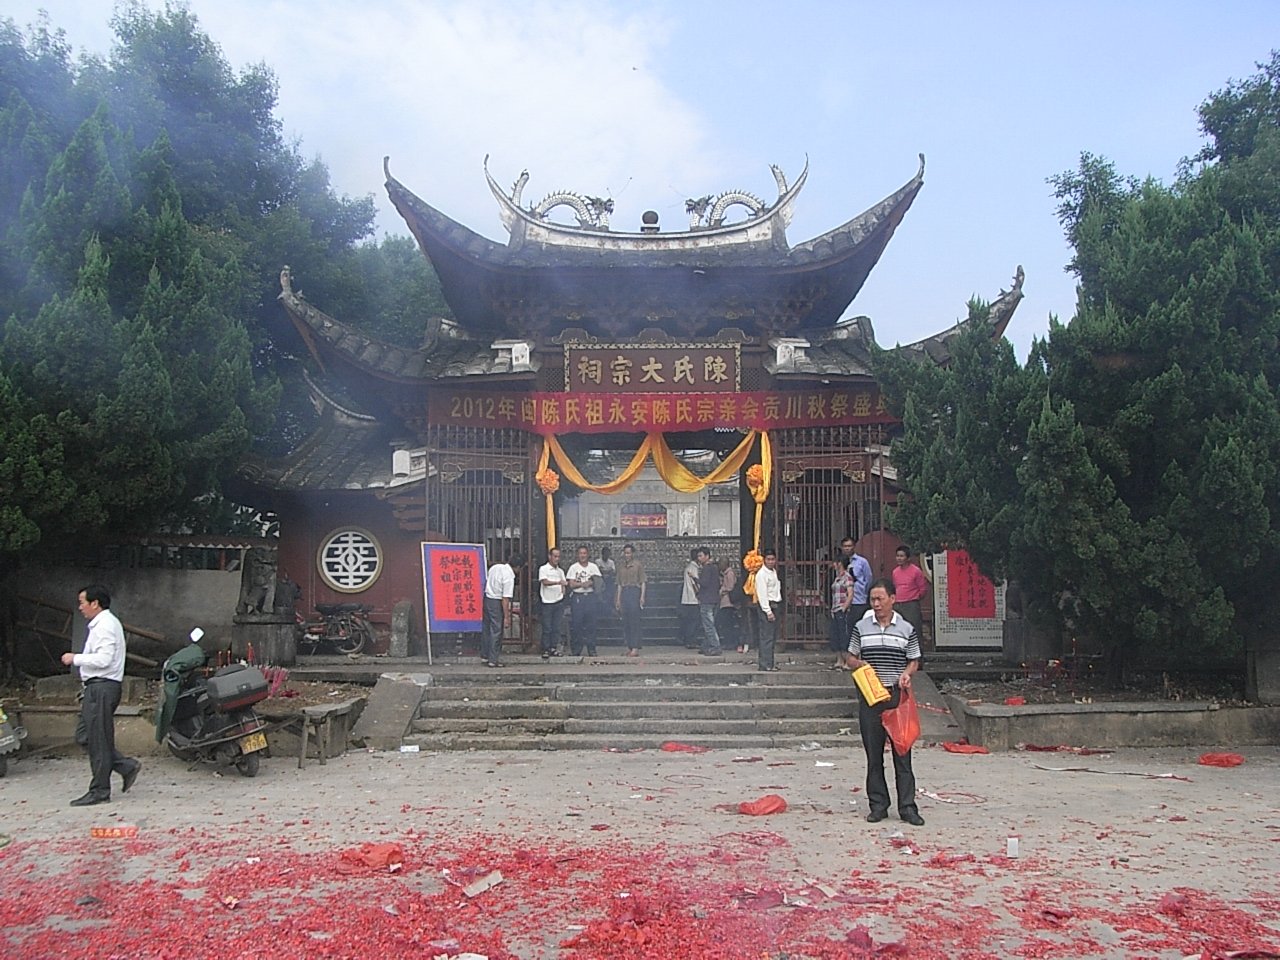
<point x="321" y="719"/>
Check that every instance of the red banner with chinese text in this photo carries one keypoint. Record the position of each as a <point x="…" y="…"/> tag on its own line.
<point x="553" y="413"/>
<point x="453" y="581"/>
<point x="970" y="595"/>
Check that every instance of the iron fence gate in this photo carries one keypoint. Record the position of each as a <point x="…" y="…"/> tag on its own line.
<point x="826" y="488"/>
<point x="480" y="489"/>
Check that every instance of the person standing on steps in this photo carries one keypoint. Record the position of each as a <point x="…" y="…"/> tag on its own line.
<point x="860" y="572"/>
<point x="553" y="589"/>
<point x="585" y="588"/>
<point x="101" y="666"/>
<point x="910" y="585"/>
<point x="708" y="601"/>
<point x="768" y="610"/>
<point x="888" y="642"/>
<point x="690" y="616"/>
<point x="629" y="600"/>
<point x="499" y="588"/>
<point x="609" y="574"/>
<point x="841" y="599"/>
<point x="726" y="612"/>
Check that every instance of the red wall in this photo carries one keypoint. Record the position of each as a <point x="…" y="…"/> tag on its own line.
<point x="304" y="525"/>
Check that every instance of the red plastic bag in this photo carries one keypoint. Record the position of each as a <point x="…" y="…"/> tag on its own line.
<point x="769" y="803"/>
<point x="902" y="723"/>
<point x="1221" y="759"/>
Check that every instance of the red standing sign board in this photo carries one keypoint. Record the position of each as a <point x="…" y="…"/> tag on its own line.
<point x="453" y="578"/>
<point x="970" y="595"/>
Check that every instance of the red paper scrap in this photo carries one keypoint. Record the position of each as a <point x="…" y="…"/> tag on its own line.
<point x="1015" y="701"/>
<point x="768" y="804"/>
<point x="371" y="856"/>
<point x="963" y="748"/>
<point x="1221" y="759"/>
<point x="672" y="746"/>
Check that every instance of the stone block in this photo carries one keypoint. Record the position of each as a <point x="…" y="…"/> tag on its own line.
<point x="391" y="709"/>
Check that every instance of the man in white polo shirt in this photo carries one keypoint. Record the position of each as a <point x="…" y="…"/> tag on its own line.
<point x="101" y="667"/>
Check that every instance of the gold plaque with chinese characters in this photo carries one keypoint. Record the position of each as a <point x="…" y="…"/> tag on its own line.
<point x="652" y="368"/>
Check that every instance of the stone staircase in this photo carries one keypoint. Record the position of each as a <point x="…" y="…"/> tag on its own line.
<point x="597" y="707"/>
<point x="660" y="623"/>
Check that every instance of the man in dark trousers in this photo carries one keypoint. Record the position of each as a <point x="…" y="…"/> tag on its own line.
<point x="101" y="667"/>
<point x="889" y="643"/>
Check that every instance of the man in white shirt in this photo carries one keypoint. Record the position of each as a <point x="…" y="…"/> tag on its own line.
<point x="553" y="586"/>
<point x="499" y="588"/>
<point x="585" y="584"/>
<point x="102" y="670"/>
<point x="768" y="609"/>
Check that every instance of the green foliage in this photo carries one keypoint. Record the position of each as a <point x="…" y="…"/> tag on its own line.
<point x="1133" y="491"/>
<point x="147" y="203"/>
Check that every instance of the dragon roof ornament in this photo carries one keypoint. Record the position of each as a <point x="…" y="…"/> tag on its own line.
<point x="765" y="222"/>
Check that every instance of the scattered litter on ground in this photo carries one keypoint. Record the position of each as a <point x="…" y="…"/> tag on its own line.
<point x="1119" y="773"/>
<point x="487" y="882"/>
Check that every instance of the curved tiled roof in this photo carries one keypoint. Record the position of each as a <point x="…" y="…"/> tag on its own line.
<point x="764" y="285"/>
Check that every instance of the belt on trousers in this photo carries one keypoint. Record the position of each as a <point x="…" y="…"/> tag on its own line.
<point x="100" y="680"/>
<point x="583" y="593"/>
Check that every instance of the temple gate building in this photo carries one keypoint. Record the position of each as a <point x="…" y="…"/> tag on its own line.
<point x="617" y="385"/>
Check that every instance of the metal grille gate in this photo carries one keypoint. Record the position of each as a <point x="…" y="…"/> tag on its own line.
<point x="479" y="490"/>
<point x="825" y="490"/>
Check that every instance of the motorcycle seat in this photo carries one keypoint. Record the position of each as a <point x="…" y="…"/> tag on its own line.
<point x="329" y="609"/>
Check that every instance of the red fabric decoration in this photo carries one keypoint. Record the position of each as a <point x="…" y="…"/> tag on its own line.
<point x="1221" y="759"/>
<point x="964" y="748"/>
<point x="769" y="803"/>
<point x="902" y="723"/>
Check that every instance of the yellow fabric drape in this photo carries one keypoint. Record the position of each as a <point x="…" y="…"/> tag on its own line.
<point x="675" y="473"/>
<point x="678" y="476"/>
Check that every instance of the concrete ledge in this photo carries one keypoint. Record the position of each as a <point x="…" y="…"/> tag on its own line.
<point x="1118" y="724"/>
<point x="51" y="728"/>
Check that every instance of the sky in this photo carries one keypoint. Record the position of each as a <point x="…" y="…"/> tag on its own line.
<point x="652" y="103"/>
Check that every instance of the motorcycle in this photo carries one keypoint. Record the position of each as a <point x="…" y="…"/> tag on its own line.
<point x="11" y="737"/>
<point x="209" y="718"/>
<point x="345" y="626"/>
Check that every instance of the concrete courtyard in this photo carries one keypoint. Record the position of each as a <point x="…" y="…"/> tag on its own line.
<point x="1138" y="854"/>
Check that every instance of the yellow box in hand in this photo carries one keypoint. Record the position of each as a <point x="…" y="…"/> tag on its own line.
<point x="873" y="691"/>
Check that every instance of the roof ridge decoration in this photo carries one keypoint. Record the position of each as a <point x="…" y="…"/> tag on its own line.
<point x="764" y="221"/>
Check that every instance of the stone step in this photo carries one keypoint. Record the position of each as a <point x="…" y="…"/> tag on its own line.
<point x="640" y="691"/>
<point x="616" y="710"/>
<point x="673" y="728"/>
<point x="829" y="747"/>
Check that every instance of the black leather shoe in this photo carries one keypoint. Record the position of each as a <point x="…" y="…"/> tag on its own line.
<point x="89" y="799"/>
<point x="875" y="816"/>
<point x="131" y="777"/>
<point x="913" y="818"/>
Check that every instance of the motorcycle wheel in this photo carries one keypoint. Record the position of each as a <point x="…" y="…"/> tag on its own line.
<point x="354" y="641"/>
<point x="247" y="765"/>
